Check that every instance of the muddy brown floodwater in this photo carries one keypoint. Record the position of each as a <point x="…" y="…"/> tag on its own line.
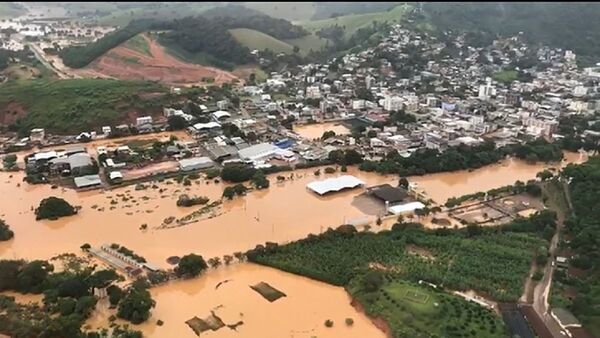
<point x="312" y="131"/>
<point x="285" y="212"/>
<point x="301" y="313"/>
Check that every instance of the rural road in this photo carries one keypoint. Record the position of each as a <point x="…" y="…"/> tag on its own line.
<point x="39" y="54"/>
<point x="542" y="289"/>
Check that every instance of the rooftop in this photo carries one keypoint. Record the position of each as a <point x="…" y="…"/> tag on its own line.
<point x="334" y="184"/>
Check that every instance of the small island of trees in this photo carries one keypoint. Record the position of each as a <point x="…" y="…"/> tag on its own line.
<point x="54" y="208"/>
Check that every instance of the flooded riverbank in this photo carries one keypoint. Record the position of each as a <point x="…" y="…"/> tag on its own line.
<point x="442" y="186"/>
<point x="301" y="313"/>
<point x="313" y="131"/>
<point x="285" y="212"/>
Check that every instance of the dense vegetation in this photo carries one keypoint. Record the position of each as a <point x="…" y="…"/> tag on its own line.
<point x="53" y="208"/>
<point x="461" y="157"/>
<point x="584" y="229"/>
<point x="412" y="310"/>
<point x="554" y="24"/>
<point x="5" y="232"/>
<point x="70" y="106"/>
<point x="531" y="187"/>
<point x="236" y="16"/>
<point x="81" y="56"/>
<point x="216" y="40"/>
<point x="493" y="261"/>
<point x="68" y="298"/>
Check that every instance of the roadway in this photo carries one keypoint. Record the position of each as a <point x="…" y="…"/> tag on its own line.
<point x="39" y="54"/>
<point x="542" y="289"/>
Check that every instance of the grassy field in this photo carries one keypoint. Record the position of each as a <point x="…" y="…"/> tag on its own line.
<point x="308" y="43"/>
<point x="161" y="11"/>
<point x="412" y="310"/>
<point x="352" y="23"/>
<point x="71" y="106"/>
<point x="257" y="40"/>
<point x="506" y="76"/>
<point x="296" y="11"/>
<point x="138" y="43"/>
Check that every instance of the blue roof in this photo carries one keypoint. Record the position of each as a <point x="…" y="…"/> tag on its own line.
<point x="283" y="144"/>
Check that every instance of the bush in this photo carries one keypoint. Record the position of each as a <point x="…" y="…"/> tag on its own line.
<point x="54" y="208"/>
<point x="187" y="201"/>
<point x="237" y="173"/>
<point x="329" y="323"/>
<point x="330" y="170"/>
<point x="5" y="232"/>
<point x="190" y="265"/>
<point x="212" y="173"/>
<point x="349" y="321"/>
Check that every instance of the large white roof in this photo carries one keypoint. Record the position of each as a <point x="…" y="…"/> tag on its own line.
<point x="257" y="151"/>
<point x="407" y="207"/>
<point x="209" y="125"/>
<point x="334" y="184"/>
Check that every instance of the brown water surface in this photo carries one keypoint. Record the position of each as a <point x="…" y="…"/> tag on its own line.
<point x="312" y="131"/>
<point x="301" y="313"/>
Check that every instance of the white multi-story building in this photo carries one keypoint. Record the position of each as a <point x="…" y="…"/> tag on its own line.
<point x="143" y="120"/>
<point x="313" y="92"/>
<point x="392" y="103"/>
<point x="486" y="91"/>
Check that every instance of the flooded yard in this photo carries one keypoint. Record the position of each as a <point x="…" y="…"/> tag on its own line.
<point x="312" y="131"/>
<point x="285" y="212"/>
<point x="300" y="314"/>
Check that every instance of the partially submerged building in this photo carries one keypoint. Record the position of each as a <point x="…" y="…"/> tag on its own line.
<point x="335" y="184"/>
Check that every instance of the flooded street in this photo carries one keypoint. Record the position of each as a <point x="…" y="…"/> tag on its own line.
<point x="285" y="212"/>
<point x="313" y="131"/>
<point x="300" y="314"/>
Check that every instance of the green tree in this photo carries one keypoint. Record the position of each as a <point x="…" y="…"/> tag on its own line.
<point x="5" y="232"/>
<point x="136" y="306"/>
<point x="85" y="305"/>
<point x="372" y="281"/>
<point x="177" y="122"/>
<point x="33" y="275"/>
<point x="190" y="266"/>
<point x="53" y="208"/>
<point x="115" y="294"/>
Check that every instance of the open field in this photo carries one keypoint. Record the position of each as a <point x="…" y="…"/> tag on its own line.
<point x="412" y="310"/>
<point x="351" y="23"/>
<point x="254" y="39"/>
<point x="297" y="11"/>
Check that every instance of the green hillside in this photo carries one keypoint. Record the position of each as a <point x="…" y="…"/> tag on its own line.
<point x="256" y="40"/>
<point x="291" y="11"/>
<point x="351" y="23"/>
<point x="569" y="25"/>
<point x="139" y="44"/>
<point x="70" y="106"/>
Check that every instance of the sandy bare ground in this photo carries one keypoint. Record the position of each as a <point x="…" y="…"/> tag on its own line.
<point x="128" y="64"/>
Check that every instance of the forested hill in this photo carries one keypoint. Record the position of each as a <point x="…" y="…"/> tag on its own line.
<point x="236" y="16"/>
<point x="207" y="35"/>
<point x="569" y="25"/>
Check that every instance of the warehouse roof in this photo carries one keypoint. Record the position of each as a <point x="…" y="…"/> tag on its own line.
<point x="190" y="162"/>
<point x="87" y="181"/>
<point x="334" y="184"/>
<point x="387" y="193"/>
<point x="257" y="151"/>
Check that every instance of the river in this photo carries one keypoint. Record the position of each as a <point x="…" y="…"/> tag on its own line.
<point x="285" y="212"/>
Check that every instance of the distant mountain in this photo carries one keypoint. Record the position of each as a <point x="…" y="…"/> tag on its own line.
<point x="568" y="25"/>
